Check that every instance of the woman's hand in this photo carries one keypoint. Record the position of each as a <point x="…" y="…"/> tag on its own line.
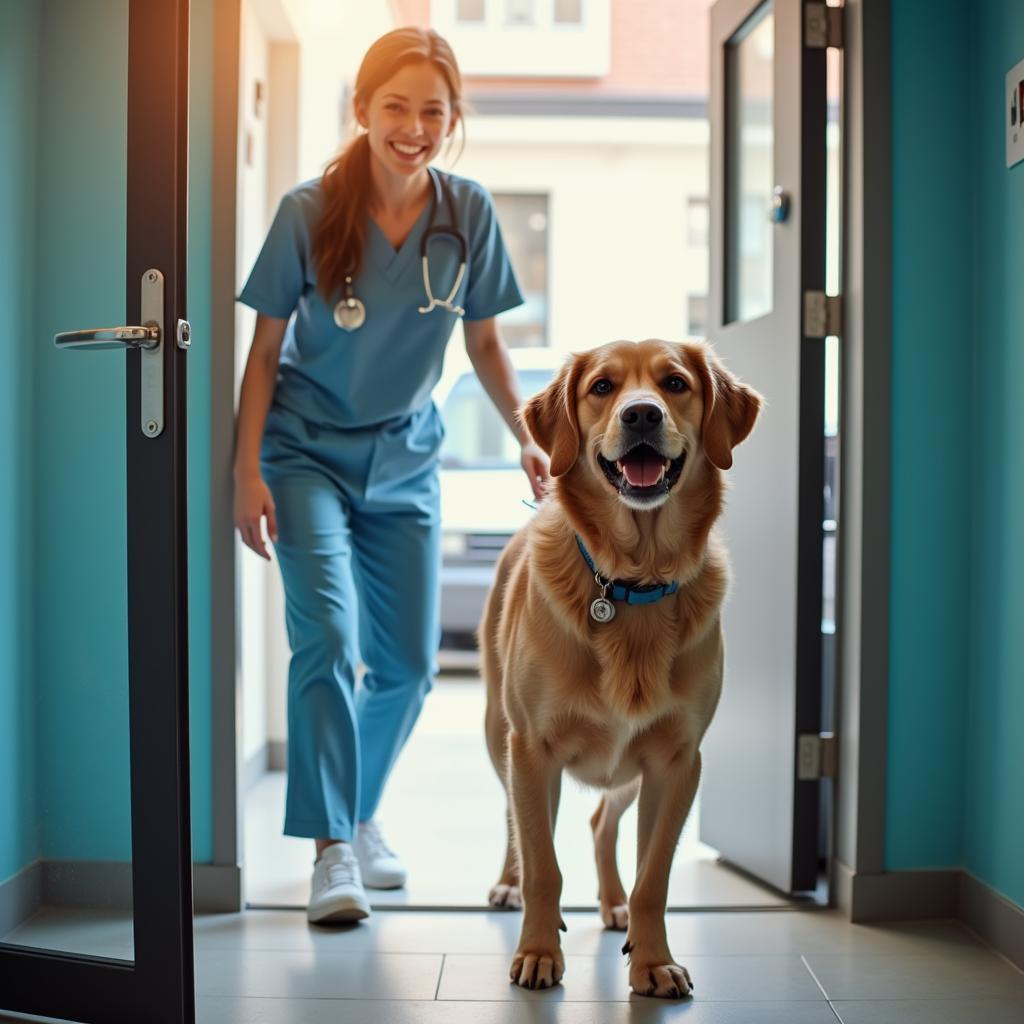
<point x="536" y="464"/>
<point x="253" y="501"/>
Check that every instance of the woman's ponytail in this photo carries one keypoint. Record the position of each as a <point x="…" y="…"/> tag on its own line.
<point x="341" y="234"/>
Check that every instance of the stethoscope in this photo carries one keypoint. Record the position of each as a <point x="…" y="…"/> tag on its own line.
<point x="350" y="313"/>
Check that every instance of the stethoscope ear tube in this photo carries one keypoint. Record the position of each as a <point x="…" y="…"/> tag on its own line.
<point x="452" y="232"/>
<point x="460" y="239"/>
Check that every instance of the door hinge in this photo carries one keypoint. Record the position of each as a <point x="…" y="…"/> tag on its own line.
<point x="823" y="315"/>
<point x="823" y="26"/>
<point x="817" y="756"/>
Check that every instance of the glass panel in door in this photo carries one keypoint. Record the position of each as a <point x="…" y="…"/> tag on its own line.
<point x="65" y="781"/>
<point x="749" y="69"/>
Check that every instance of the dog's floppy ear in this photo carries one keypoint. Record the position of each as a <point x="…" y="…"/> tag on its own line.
<point x="551" y="419"/>
<point x="730" y="408"/>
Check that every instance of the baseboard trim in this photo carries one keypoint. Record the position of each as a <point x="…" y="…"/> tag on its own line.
<point x="94" y="884"/>
<point x="106" y="885"/>
<point x="993" y="917"/>
<point x="909" y="895"/>
<point x="897" y="895"/>
<point x="216" y="888"/>
<point x="20" y="896"/>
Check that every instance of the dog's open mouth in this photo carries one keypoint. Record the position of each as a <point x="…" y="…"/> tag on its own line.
<point x="643" y="472"/>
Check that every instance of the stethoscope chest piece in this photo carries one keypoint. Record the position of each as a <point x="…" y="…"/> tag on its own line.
<point x="349" y="313"/>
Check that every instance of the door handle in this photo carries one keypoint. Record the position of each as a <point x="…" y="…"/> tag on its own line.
<point x="110" y="337"/>
<point x="148" y="339"/>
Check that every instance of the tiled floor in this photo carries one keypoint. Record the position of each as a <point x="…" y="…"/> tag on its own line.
<point x="770" y="963"/>
<point x="749" y="967"/>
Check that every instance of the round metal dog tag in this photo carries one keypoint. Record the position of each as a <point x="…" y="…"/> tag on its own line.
<point x="350" y="314"/>
<point x="602" y="610"/>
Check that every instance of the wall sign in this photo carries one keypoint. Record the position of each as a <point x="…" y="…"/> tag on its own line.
<point x="1014" y="114"/>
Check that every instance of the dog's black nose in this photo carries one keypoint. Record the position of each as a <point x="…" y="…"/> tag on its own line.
<point x="641" y="415"/>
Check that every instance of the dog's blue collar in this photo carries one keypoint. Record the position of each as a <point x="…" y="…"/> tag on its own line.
<point x="618" y="590"/>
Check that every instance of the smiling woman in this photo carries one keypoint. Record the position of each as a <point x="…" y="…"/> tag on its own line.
<point x="338" y="441"/>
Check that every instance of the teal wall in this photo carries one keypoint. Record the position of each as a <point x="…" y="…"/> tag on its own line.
<point x="931" y="443"/>
<point x="19" y="40"/>
<point x="994" y="807"/>
<point x="956" y="730"/>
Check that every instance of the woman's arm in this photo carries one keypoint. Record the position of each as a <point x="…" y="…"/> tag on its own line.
<point x="252" y="496"/>
<point x="490" y="360"/>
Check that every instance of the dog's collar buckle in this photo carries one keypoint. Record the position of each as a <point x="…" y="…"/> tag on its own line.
<point x="602" y="610"/>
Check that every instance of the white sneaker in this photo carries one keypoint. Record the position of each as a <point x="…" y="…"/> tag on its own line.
<point x="337" y="890"/>
<point x="380" y="865"/>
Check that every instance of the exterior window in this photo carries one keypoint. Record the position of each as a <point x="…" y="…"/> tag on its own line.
<point x="568" y="12"/>
<point x="469" y="10"/>
<point x="519" y="12"/>
<point x="524" y="226"/>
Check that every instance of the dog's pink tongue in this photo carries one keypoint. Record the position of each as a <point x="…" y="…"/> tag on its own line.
<point x="642" y="469"/>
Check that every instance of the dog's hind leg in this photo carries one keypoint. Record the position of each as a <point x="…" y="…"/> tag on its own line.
<point x="505" y="892"/>
<point x="605" y="826"/>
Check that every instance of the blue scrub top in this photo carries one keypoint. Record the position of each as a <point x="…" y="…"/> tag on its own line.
<point x="385" y="370"/>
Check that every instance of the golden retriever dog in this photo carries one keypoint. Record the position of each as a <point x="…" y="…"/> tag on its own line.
<point x="639" y="435"/>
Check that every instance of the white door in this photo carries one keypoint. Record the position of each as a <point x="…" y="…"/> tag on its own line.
<point x="768" y="119"/>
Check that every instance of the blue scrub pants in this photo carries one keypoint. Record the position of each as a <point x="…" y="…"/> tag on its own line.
<point x="359" y="552"/>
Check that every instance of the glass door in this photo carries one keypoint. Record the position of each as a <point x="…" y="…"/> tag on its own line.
<point x="95" y="846"/>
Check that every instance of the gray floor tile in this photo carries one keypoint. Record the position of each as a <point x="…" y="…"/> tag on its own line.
<point x="593" y="979"/>
<point x="317" y="974"/>
<point x="690" y="933"/>
<point x="808" y="931"/>
<point x="541" y="1011"/>
<point x="957" y="973"/>
<point x="384" y="932"/>
<point x="931" y="1011"/>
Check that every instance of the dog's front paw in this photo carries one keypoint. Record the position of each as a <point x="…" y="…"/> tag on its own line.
<point x="507" y="896"/>
<point x="535" y="967"/>
<point x="666" y="981"/>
